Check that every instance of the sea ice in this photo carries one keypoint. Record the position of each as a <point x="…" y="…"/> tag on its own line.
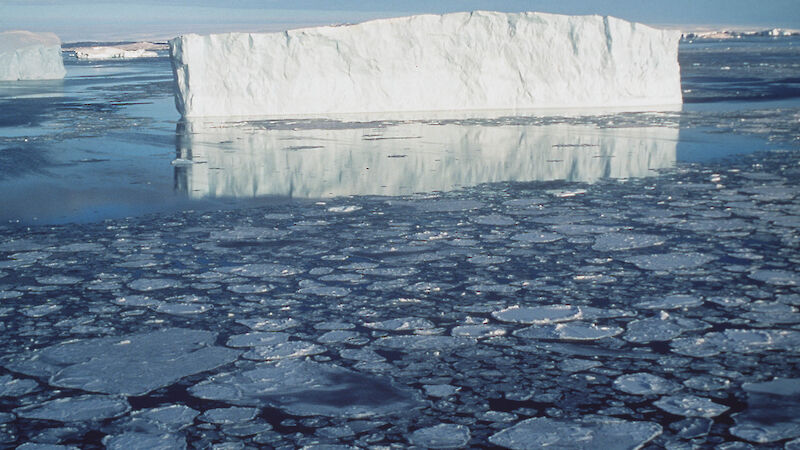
<point x="76" y="409"/>
<point x="644" y="384"/>
<point x="14" y="387"/>
<point x="144" y="441"/>
<point x="676" y="301"/>
<point x="233" y="414"/>
<point x="588" y="433"/>
<point x="130" y="365"/>
<point x="401" y="324"/>
<point x="30" y="56"/>
<point x="571" y="331"/>
<point x="538" y="315"/>
<point x="669" y="261"/>
<point x="291" y="349"/>
<point x="256" y="339"/>
<point x="444" y="435"/>
<point x="777" y="277"/>
<point x="459" y="61"/>
<point x="172" y="417"/>
<point x="414" y="343"/>
<point x="690" y="406"/>
<point x="307" y="388"/>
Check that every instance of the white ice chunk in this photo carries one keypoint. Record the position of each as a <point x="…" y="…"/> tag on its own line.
<point x="172" y="416"/>
<point x="444" y="435"/>
<point x="291" y="349"/>
<point x="625" y="241"/>
<point x="30" y="56"/>
<point x="572" y="331"/>
<point x="14" y="387"/>
<point x="669" y="261"/>
<point x="130" y="365"/>
<point x="644" y="384"/>
<point x="414" y="343"/>
<point x="402" y="324"/>
<point x="777" y="277"/>
<point x="144" y="441"/>
<point x="538" y="315"/>
<point x="257" y="338"/>
<point x="676" y="301"/>
<point x="690" y="406"/>
<point x="459" y="61"/>
<point x="76" y="409"/>
<point x="478" y="331"/>
<point x="589" y="433"/>
<point x="230" y="415"/>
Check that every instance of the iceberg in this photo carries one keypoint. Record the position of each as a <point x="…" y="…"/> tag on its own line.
<point x="459" y="61"/>
<point x="30" y="56"/>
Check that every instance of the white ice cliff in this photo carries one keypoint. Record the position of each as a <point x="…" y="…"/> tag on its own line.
<point x="459" y="61"/>
<point x="30" y="56"/>
<point x="250" y="160"/>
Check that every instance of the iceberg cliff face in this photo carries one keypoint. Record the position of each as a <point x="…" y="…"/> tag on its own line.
<point x="30" y="56"/>
<point x="459" y="61"/>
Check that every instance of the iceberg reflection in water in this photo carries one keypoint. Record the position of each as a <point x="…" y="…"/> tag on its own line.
<point x="303" y="159"/>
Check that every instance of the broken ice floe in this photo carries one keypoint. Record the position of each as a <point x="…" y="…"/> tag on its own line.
<point x="291" y="349"/>
<point x="676" y="301"/>
<point x="538" y="315"/>
<point x="444" y="435"/>
<point x="733" y="340"/>
<point x="144" y="441"/>
<point x="690" y="406"/>
<point x="306" y="388"/>
<point x="76" y="409"/>
<point x="625" y="241"/>
<point x="572" y="331"/>
<point x="665" y="262"/>
<point x="131" y="365"/>
<point x="644" y="384"/>
<point x="587" y="433"/>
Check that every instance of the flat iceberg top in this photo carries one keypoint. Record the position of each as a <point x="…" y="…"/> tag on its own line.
<point x="14" y="40"/>
<point x="459" y="61"/>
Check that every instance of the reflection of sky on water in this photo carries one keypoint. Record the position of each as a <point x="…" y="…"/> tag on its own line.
<point x="245" y="160"/>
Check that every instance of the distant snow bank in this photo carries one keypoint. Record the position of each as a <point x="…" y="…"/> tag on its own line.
<point x="459" y="61"/>
<point x="734" y="34"/>
<point x="136" y="50"/>
<point x="25" y="55"/>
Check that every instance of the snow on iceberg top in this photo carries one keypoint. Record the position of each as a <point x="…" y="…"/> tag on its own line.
<point x="15" y="40"/>
<point x="458" y="61"/>
<point x="25" y="55"/>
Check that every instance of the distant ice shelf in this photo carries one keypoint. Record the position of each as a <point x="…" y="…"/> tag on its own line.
<point x="137" y="50"/>
<point x="25" y="55"/>
<point x="458" y="61"/>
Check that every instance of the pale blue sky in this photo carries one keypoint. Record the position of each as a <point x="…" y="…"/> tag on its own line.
<point x="135" y="19"/>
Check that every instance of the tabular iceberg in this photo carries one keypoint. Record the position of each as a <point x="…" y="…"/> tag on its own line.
<point x="459" y="61"/>
<point x="30" y="56"/>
